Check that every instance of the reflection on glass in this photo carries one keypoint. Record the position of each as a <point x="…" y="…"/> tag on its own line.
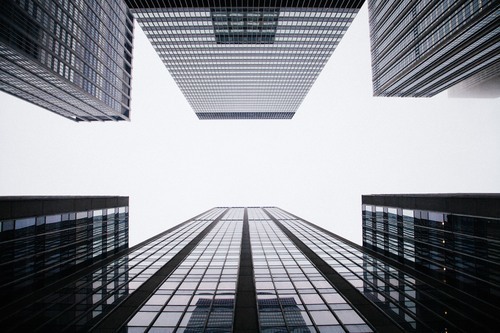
<point x="272" y="317"/>
<point x="34" y="251"/>
<point x="199" y="294"/>
<point x="77" y="305"/>
<point x="462" y="251"/>
<point x="245" y="25"/>
<point x="216" y="314"/>
<point x="292" y="294"/>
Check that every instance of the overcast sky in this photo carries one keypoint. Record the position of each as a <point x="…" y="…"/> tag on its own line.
<point x="342" y="143"/>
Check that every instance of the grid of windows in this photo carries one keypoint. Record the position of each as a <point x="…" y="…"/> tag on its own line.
<point x="33" y="249"/>
<point x="462" y="250"/>
<point x="70" y="57"/>
<point x="352" y="264"/>
<point x="79" y="303"/>
<point x="244" y="62"/>
<point x="414" y="304"/>
<point x="420" y="48"/>
<point x="292" y="294"/>
<point x="245" y="25"/>
<point x="392" y="231"/>
<point x="199" y="295"/>
<point x="196" y="277"/>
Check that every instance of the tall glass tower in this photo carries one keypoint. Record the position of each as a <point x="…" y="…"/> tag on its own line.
<point x="421" y="48"/>
<point x="45" y="238"/>
<point x="255" y="269"/>
<point x="452" y="239"/>
<point x="70" y="57"/>
<point x="244" y="59"/>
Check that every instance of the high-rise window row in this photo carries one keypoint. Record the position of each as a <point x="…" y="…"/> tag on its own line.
<point x="71" y="57"/>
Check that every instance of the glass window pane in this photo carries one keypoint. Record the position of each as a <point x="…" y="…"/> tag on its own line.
<point x="323" y="318"/>
<point x="142" y="319"/>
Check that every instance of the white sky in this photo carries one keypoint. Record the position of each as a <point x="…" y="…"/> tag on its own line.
<point x="342" y="143"/>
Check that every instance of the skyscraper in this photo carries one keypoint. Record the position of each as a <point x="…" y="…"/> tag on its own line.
<point x="420" y="48"/>
<point x="451" y="239"/>
<point x="45" y="238"/>
<point x="244" y="59"/>
<point x="68" y="56"/>
<point x="246" y="270"/>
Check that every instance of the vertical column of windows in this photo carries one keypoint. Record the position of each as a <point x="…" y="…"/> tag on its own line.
<point x="392" y="231"/>
<point x="409" y="235"/>
<point x="369" y="239"/>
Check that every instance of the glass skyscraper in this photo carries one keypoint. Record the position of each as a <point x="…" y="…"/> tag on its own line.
<point x="420" y="48"/>
<point x="451" y="241"/>
<point x="255" y="269"/>
<point x="71" y="57"/>
<point x="45" y="238"/>
<point x="244" y="59"/>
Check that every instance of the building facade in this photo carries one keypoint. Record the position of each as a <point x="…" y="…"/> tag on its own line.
<point x="244" y="59"/>
<point x="255" y="269"/>
<point x="45" y="238"/>
<point x="452" y="239"/>
<point x="70" y="57"/>
<point x="421" y="48"/>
